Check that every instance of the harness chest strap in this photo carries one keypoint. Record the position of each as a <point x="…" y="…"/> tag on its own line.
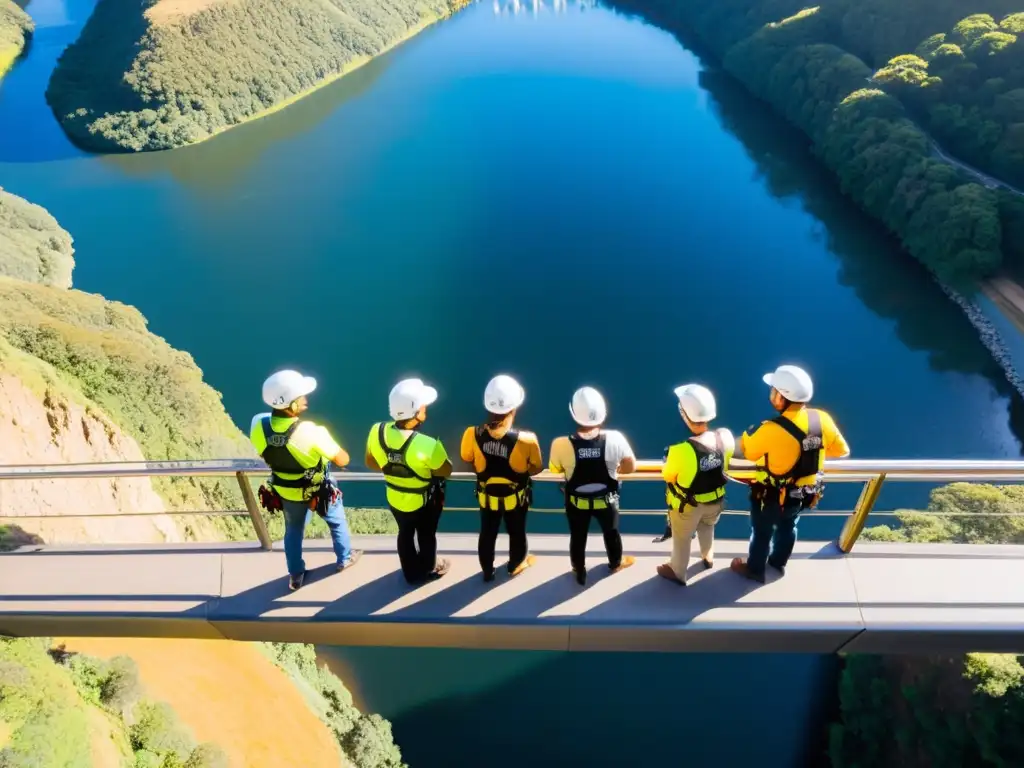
<point x="280" y="459"/>
<point x="708" y="484"/>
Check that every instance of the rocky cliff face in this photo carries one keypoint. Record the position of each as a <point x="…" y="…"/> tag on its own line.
<point x="54" y="429"/>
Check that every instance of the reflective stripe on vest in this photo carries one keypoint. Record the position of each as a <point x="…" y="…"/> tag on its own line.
<point x="286" y="470"/>
<point x="398" y="475"/>
<point x="811" y="446"/>
<point x="709" y="483"/>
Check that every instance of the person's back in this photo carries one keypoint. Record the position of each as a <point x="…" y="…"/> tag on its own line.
<point x="299" y="453"/>
<point x="694" y="475"/>
<point x="790" y="452"/>
<point x="413" y="465"/>
<point x="503" y="459"/>
<point x="591" y="460"/>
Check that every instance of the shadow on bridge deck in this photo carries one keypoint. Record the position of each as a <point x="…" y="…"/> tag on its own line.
<point x="883" y="598"/>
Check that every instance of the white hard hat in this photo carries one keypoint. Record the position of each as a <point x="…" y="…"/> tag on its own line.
<point x="588" y="408"/>
<point x="284" y="387"/>
<point x="696" y="402"/>
<point x="408" y="396"/>
<point x="503" y="395"/>
<point x="792" y="383"/>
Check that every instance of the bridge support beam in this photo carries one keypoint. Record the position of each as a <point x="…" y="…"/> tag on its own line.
<point x="253" y="507"/>
<point x="856" y="521"/>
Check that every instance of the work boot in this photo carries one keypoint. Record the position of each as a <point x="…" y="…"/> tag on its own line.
<point x="665" y="536"/>
<point x="581" y="576"/>
<point x="739" y="565"/>
<point x="708" y="564"/>
<point x="353" y="558"/>
<point x="527" y="562"/>
<point x="295" y="581"/>
<point x="627" y="560"/>
<point x="666" y="572"/>
<point x="780" y="568"/>
<point x="489" y="575"/>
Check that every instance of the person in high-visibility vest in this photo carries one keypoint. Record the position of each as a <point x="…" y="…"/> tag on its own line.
<point x="790" y="452"/>
<point x="298" y="453"/>
<point x="694" y="473"/>
<point x="503" y="458"/>
<point x="414" y="466"/>
<point x="591" y="459"/>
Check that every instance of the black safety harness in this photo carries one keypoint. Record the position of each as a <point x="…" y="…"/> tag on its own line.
<point x="498" y="451"/>
<point x="591" y="469"/>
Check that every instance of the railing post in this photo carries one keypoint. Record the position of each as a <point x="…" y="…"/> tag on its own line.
<point x="856" y="521"/>
<point x="254" y="512"/>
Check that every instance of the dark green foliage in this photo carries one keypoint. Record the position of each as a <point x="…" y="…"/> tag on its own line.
<point x="815" y="64"/>
<point x="156" y="729"/>
<point x="141" y="82"/>
<point x="971" y="513"/>
<point x="207" y="755"/>
<point x="366" y="740"/>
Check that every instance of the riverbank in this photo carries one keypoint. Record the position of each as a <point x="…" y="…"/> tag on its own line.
<point x="142" y="79"/>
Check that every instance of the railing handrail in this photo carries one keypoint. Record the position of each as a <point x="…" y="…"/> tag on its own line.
<point x="873" y="473"/>
<point x="858" y="470"/>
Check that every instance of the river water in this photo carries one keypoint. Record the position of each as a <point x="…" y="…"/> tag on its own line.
<point x="562" y="193"/>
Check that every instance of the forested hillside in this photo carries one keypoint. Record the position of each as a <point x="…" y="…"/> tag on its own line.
<point x="942" y="712"/>
<point x="15" y="28"/>
<point x="827" y="69"/>
<point x="154" y="75"/>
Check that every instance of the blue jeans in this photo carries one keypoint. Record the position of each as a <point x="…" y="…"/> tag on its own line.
<point x="772" y="525"/>
<point x="296" y="515"/>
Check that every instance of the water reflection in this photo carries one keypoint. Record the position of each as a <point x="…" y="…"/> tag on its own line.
<point x="536" y="7"/>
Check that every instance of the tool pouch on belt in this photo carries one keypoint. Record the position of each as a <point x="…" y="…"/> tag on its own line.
<point x="810" y="495"/>
<point x="328" y="494"/>
<point x="435" y="494"/>
<point x="269" y="499"/>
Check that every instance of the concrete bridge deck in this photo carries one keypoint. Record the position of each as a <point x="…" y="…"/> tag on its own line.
<point x="882" y="598"/>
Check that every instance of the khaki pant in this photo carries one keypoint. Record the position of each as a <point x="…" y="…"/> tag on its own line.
<point x="685" y="521"/>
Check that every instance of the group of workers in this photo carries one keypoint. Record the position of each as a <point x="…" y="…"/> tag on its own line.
<point x="788" y="450"/>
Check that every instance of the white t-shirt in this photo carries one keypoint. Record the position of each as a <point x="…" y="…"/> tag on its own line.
<point x="616" y="448"/>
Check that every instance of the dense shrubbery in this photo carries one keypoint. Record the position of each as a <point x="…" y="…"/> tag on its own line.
<point x="366" y="740"/>
<point x="15" y="28"/>
<point x="33" y="246"/>
<point x="143" y="82"/>
<point x="45" y="701"/>
<point x="938" y="712"/>
<point x="809" y="63"/>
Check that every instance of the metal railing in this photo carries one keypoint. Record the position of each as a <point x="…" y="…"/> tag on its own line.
<point x="872" y="474"/>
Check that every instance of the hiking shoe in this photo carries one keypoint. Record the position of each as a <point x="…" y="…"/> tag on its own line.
<point x="353" y="558"/>
<point x="627" y="560"/>
<point x="489" y="575"/>
<point x="581" y="576"/>
<point x="666" y="572"/>
<point x="780" y="568"/>
<point x="708" y="564"/>
<point x="527" y="562"/>
<point x="295" y="581"/>
<point x="739" y="565"/>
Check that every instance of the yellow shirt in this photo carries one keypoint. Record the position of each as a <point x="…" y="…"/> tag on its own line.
<point x="424" y="455"/>
<point x="772" y="444"/>
<point x="525" y="455"/>
<point x="680" y="467"/>
<point x="309" y="444"/>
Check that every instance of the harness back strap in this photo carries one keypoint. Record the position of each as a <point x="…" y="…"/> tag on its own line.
<point x="811" y="445"/>
<point x="400" y="468"/>
<point x="280" y="459"/>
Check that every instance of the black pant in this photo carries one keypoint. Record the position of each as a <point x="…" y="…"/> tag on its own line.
<point x="515" y="526"/>
<point x="579" y="528"/>
<point x="420" y="526"/>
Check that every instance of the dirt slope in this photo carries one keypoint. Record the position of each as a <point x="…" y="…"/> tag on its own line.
<point x="228" y="693"/>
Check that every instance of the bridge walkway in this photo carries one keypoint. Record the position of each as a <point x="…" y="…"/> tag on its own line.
<point x="881" y="598"/>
